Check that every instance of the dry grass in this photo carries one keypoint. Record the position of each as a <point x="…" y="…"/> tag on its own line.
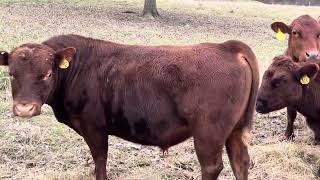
<point x="41" y="148"/>
<point x="284" y="160"/>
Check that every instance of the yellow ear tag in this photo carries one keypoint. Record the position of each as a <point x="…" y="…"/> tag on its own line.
<point x="305" y="80"/>
<point x="64" y="64"/>
<point x="280" y="35"/>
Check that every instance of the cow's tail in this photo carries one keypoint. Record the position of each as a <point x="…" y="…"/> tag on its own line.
<point x="245" y="124"/>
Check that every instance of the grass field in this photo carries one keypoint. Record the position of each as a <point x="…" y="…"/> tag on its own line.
<point x="41" y="148"/>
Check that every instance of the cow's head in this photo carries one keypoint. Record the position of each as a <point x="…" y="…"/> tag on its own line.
<point x="283" y="83"/>
<point x="33" y="70"/>
<point x="304" y="37"/>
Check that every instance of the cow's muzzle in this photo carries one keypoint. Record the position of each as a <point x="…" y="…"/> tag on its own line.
<point x="262" y="106"/>
<point x="312" y="55"/>
<point x="26" y="109"/>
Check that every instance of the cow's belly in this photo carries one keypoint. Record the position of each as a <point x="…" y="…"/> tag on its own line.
<point x="161" y="133"/>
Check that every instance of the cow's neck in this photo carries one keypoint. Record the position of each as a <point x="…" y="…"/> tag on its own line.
<point x="309" y="105"/>
<point x="289" y="52"/>
<point x="73" y="82"/>
<point x="55" y="99"/>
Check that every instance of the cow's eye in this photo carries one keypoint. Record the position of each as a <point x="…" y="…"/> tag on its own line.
<point x="295" y="33"/>
<point x="275" y="84"/>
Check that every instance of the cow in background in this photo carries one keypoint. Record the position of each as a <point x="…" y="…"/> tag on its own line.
<point x="303" y="45"/>
<point x="295" y="85"/>
<point x="304" y="37"/>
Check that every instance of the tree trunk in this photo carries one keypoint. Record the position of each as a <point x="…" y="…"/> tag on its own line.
<point x="150" y="8"/>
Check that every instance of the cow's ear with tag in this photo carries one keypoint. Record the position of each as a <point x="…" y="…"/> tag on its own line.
<point x="307" y="73"/>
<point x="64" y="56"/>
<point x="4" y="58"/>
<point x="276" y="26"/>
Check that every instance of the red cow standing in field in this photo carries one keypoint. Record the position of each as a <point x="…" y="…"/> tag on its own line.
<point x="303" y="45"/>
<point x="152" y="95"/>
<point x="283" y="85"/>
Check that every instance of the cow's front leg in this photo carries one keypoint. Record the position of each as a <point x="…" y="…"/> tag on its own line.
<point x="291" y="116"/>
<point x="98" y="143"/>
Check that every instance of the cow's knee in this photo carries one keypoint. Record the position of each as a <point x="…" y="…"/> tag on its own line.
<point x="212" y="171"/>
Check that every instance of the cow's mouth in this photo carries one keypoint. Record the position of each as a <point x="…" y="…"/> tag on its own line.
<point x="264" y="106"/>
<point x="261" y="107"/>
<point x="26" y="109"/>
<point x="262" y="110"/>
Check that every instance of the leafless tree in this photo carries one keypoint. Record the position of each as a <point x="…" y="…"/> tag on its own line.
<point x="150" y="8"/>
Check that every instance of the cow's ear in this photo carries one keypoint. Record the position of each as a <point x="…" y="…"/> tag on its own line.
<point x="282" y="26"/>
<point x="4" y="58"/>
<point x="64" y="56"/>
<point x="306" y="73"/>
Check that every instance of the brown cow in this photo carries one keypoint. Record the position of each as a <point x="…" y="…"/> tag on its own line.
<point x="152" y="95"/>
<point x="304" y="37"/>
<point x="282" y="87"/>
<point x="303" y="45"/>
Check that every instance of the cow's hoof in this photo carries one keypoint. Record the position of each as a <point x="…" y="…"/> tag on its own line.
<point x="287" y="137"/>
<point x="316" y="142"/>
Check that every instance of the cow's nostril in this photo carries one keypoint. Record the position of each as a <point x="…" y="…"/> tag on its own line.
<point x="31" y="108"/>
<point x="307" y="54"/>
<point x="261" y="104"/>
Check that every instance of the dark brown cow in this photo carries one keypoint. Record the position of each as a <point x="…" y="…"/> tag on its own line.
<point x="303" y="45"/>
<point x="282" y="87"/>
<point x="152" y="95"/>
<point x="304" y="37"/>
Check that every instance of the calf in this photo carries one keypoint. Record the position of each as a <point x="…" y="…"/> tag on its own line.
<point x="304" y="37"/>
<point x="152" y="95"/>
<point x="293" y="85"/>
<point x="303" y="45"/>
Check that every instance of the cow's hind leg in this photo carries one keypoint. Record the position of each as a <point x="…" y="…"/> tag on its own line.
<point x="238" y="153"/>
<point x="208" y="145"/>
